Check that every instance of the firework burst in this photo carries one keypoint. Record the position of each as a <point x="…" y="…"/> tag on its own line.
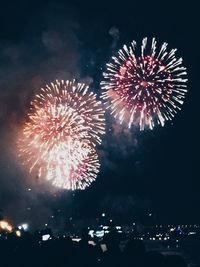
<point x="144" y="86"/>
<point x="58" y="139"/>
<point x="75" y="168"/>
<point x="70" y="98"/>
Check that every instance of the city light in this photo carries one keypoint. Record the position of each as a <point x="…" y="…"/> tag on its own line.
<point x="5" y="226"/>
<point x="18" y="233"/>
<point x="23" y="226"/>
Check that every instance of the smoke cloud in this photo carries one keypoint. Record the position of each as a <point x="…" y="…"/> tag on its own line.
<point x="52" y="52"/>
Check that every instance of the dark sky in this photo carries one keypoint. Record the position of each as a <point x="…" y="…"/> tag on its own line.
<point x="155" y="170"/>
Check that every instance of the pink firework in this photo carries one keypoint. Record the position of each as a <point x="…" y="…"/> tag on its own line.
<point x="58" y="139"/>
<point x="145" y="86"/>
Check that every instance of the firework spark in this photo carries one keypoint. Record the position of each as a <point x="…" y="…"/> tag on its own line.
<point x="59" y="137"/>
<point x="146" y="86"/>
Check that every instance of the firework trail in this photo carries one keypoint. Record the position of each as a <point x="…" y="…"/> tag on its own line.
<point x="58" y="139"/>
<point x="144" y="86"/>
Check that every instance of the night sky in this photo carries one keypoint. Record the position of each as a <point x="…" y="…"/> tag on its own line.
<point x="151" y="171"/>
